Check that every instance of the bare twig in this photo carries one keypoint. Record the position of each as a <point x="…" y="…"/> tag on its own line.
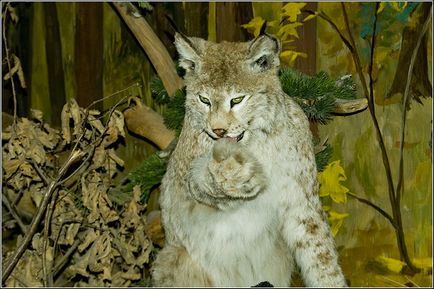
<point x="324" y="16"/>
<point x="377" y="208"/>
<point x="24" y="284"/>
<point x="10" y="265"/>
<point x="371" y="106"/>
<point x="18" y="198"/>
<point x="41" y="174"/>
<point x="47" y="268"/>
<point x="9" y="66"/>
<point x="12" y="210"/>
<point x="113" y="94"/>
<point x="62" y="262"/>
<point x="406" y="99"/>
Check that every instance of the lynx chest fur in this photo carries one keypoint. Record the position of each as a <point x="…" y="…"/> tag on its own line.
<point x="239" y="200"/>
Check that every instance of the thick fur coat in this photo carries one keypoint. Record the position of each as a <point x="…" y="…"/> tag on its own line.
<point x="240" y="200"/>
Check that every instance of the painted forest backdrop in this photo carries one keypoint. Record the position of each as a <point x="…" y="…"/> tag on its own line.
<point x="377" y="187"/>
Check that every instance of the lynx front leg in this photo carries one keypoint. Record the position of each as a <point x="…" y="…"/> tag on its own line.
<point x="227" y="176"/>
<point x="312" y="243"/>
<point x="174" y="267"/>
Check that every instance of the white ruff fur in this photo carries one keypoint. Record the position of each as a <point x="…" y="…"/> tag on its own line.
<point x="240" y="213"/>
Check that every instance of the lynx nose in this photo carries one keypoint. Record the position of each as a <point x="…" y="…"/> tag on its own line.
<point x="220" y="132"/>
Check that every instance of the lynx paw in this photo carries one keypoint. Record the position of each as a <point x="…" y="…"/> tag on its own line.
<point x="236" y="171"/>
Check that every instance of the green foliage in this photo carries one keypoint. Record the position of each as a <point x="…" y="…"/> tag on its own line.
<point x="158" y="91"/>
<point x="316" y="94"/>
<point x="147" y="175"/>
<point x="174" y="114"/>
<point x="322" y="158"/>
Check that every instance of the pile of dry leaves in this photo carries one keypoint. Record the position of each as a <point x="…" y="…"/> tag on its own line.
<point x="54" y="191"/>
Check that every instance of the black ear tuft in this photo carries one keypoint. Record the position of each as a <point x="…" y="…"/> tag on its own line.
<point x="263" y="27"/>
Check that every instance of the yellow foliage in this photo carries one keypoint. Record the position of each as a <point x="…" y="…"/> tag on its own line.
<point x="393" y="265"/>
<point x="290" y="56"/>
<point x="424" y="263"/>
<point x="330" y="185"/>
<point x="397" y="6"/>
<point x="336" y="220"/>
<point x="292" y="10"/>
<point x="254" y="26"/>
<point x="381" y="7"/>
<point x="288" y="30"/>
<point x="309" y="17"/>
<point x="286" y="33"/>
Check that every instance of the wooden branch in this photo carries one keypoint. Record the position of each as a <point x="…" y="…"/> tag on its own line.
<point x="406" y="99"/>
<point x="149" y="124"/>
<point x="371" y="106"/>
<point x="12" y="210"/>
<point x="65" y="258"/>
<point x="152" y="45"/>
<point x="377" y="208"/>
<point x="350" y="106"/>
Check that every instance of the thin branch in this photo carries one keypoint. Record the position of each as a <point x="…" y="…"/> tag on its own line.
<point x="41" y="174"/>
<point x="371" y="106"/>
<point x="113" y="94"/>
<point x="18" y="198"/>
<point x="61" y="263"/>
<point x="354" y="52"/>
<point x="406" y="99"/>
<point x="48" y="277"/>
<point x="377" y="208"/>
<point x="371" y="60"/>
<point x="9" y="65"/>
<point x="10" y="265"/>
<point x="324" y="16"/>
<point x="23" y="283"/>
<point x="13" y="212"/>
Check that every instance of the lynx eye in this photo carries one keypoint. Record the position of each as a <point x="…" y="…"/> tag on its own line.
<point x="204" y="100"/>
<point x="236" y="100"/>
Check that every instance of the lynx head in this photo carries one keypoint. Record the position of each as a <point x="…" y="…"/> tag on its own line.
<point x="230" y="86"/>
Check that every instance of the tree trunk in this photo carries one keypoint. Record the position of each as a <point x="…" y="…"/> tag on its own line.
<point x="53" y="51"/>
<point x="229" y="18"/>
<point x="196" y="19"/>
<point x="89" y="54"/>
<point x="420" y="84"/>
<point x="307" y="42"/>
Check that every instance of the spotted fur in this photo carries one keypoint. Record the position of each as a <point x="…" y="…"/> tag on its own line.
<point x="241" y="209"/>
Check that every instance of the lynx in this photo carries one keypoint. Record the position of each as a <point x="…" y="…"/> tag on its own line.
<point x="239" y="199"/>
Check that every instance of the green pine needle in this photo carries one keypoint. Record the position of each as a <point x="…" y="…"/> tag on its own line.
<point x="174" y="114"/>
<point x="158" y="91"/>
<point x="316" y="94"/>
<point x="148" y="175"/>
<point x="323" y="157"/>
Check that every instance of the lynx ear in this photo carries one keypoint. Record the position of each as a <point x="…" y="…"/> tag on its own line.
<point x="263" y="53"/>
<point x="188" y="49"/>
